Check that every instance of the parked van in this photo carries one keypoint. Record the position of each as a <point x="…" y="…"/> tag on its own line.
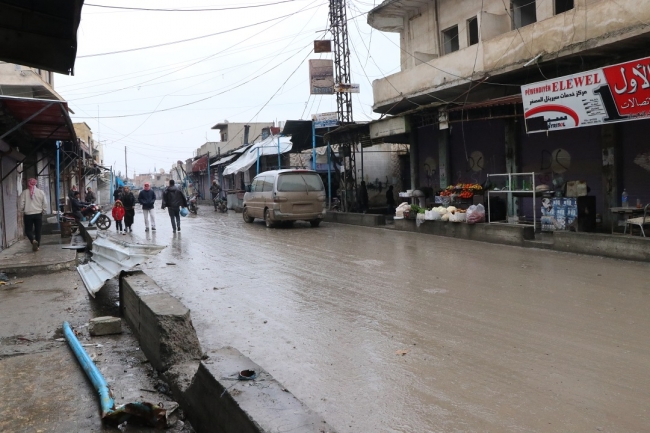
<point x="285" y="196"/>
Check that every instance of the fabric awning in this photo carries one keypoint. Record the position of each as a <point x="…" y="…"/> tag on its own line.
<point x="266" y="147"/>
<point x="200" y="164"/>
<point x="224" y="160"/>
<point x="44" y="118"/>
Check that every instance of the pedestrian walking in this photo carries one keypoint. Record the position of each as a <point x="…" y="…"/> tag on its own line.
<point x="390" y="200"/>
<point x="90" y="195"/>
<point x="32" y="205"/>
<point x="117" y="194"/>
<point x="147" y="198"/>
<point x="173" y="199"/>
<point x="363" y="197"/>
<point x="118" y="215"/>
<point x="128" y="201"/>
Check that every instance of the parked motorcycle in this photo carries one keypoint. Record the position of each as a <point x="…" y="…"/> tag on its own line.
<point x="94" y="214"/>
<point x="220" y="205"/>
<point x="193" y="204"/>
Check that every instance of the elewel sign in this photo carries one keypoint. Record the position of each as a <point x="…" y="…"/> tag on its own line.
<point x="616" y="93"/>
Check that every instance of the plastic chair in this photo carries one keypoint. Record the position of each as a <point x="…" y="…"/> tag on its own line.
<point x="639" y="221"/>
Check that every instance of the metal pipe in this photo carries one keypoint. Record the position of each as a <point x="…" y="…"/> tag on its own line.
<point x="209" y="178"/>
<point x="112" y="186"/>
<point x="279" y="155"/>
<point x="313" y="145"/>
<point x="92" y="372"/>
<point x="58" y="184"/>
<point x="329" y="176"/>
<point x="258" y="160"/>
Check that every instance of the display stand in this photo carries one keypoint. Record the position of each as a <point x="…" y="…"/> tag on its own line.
<point x="516" y="185"/>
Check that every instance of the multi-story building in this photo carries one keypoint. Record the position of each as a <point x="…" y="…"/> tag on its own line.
<point x="458" y="101"/>
<point x="233" y="136"/>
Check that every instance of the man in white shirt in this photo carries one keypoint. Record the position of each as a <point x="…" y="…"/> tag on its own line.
<point x="32" y="205"/>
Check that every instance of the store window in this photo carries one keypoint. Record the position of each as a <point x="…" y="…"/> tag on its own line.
<point x="472" y="31"/>
<point x="450" y="40"/>
<point x="562" y="6"/>
<point x="524" y="12"/>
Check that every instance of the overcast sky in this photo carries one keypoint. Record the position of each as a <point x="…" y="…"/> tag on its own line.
<point x="161" y="102"/>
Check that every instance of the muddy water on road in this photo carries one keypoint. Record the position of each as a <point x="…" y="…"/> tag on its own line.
<point x="381" y="331"/>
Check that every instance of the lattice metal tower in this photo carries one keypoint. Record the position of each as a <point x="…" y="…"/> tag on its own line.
<point x="339" y="29"/>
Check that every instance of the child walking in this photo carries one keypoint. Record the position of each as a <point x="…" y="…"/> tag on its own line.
<point x="118" y="215"/>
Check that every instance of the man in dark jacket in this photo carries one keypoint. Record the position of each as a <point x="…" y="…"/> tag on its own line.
<point x="117" y="194"/>
<point x="147" y="198"/>
<point x="363" y="197"/>
<point x="79" y="209"/>
<point x="390" y="200"/>
<point x="173" y="199"/>
<point x="90" y="195"/>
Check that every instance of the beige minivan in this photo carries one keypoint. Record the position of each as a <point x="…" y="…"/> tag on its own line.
<point x="280" y="196"/>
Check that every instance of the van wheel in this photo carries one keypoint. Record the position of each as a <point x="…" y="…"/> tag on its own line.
<point x="267" y="218"/>
<point x="315" y="223"/>
<point x="247" y="218"/>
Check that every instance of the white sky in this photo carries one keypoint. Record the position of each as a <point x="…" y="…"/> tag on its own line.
<point x="222" y="68"/>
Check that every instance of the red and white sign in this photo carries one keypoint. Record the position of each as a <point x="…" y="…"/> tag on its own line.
<point x="616" y="93"/>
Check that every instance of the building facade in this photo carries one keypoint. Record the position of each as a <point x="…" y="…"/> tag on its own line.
<point x="457" y="99"/>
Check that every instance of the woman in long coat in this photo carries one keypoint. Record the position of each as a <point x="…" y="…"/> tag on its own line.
<point x="128" y="200"/>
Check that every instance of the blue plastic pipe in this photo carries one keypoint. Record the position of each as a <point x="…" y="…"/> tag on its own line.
<point x="58" y="184"/>
<point x="107" y="403"/>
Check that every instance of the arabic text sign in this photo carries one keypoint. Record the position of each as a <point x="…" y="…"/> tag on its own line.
<point x="325" y="120"/>
<point x="613" y="94"/>
<point x="347" y="88"/>
<point x="321" y="77"/>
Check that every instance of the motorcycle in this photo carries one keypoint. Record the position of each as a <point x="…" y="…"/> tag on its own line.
<point x="94" y="214"/>
<point x="193" y="204"/>
<point x="220" y="205"/>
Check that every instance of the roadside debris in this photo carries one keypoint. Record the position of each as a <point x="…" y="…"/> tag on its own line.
<point x="105" y="325"/>
<point x="401" y="352"/>
<point x="110" y="257"/>
<point x="143" y="413"/>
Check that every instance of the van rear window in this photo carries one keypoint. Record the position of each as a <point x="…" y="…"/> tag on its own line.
<point x="300" y="182"/>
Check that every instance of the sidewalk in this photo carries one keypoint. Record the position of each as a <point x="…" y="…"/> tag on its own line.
<point x="43" y="387"/>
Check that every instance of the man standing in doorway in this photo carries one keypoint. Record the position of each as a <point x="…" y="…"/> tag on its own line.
<point x="147" y="198"/>
<point x="32" y="205"/>
<point x="174" y="199"/>
<point x="90" y="196"/>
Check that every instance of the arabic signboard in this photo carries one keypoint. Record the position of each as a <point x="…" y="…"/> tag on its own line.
<point x="325" y="120"/>
<point x="346" y="88"/>
<point x="323" y="46"/>
<point x="389" y="127"/>
<point x="321" y="77"/>
<point x="616" y="93"/>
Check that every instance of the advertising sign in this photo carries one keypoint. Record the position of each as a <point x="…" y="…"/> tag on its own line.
<point x="321" y="77"/>
<point x="347" y="88"/>
<point x="322" y="46"/>
<point x="616" y="93"/>
<point x="325" y="120"/>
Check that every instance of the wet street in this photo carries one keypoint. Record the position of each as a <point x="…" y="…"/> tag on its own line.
<point x="385" y="331"/>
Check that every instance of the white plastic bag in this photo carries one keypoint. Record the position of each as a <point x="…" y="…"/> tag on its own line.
<point x="476" y="214"/>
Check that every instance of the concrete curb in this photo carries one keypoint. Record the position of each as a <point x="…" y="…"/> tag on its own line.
<point x="617" y="247"/>
<point x="27" y="270"/>
<point x="160" y="321"/>
<point x="357" y="219"/>
<point x="209" y="392"/>
<point x="215" y="400"/>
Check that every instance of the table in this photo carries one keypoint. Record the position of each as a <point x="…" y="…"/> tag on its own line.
<point x="626" y="211"/>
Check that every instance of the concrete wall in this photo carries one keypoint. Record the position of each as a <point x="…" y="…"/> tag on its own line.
<point x="26" y="82"/>
<point x="598" y="22"/>
<point x="493" y="233"/>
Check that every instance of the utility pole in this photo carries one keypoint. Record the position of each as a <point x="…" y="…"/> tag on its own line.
<point x="339" y="29"/>
<point x="126" y="165"/>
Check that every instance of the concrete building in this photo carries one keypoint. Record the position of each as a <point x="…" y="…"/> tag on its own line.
<point x="232" y="136"/>
<point x="457" y="100"/>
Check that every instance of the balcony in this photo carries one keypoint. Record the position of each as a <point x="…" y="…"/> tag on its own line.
<point x="603" y="33"/>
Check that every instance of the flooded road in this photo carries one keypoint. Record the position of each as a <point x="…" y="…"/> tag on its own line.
<point x="384" y="331"/>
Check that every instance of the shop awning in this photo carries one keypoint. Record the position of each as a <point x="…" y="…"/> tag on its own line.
<point x="263" y="148"/>
<point x="200" y="164"/>
<point x="224" y="160"/>
<point x="41" y="33"/>
<point x="43" y="118"/>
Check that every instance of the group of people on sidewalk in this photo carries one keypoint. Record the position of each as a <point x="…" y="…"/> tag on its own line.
<point x="173" y="200"/>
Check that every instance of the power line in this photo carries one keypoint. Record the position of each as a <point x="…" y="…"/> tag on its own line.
<point x="189" y="10"/>
<point x="197" y="37"/>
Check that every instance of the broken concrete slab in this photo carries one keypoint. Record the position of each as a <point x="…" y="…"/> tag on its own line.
<point x="215" y="400"/>
<point x="161" y="322"/>
<point x="105" y="325"/>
